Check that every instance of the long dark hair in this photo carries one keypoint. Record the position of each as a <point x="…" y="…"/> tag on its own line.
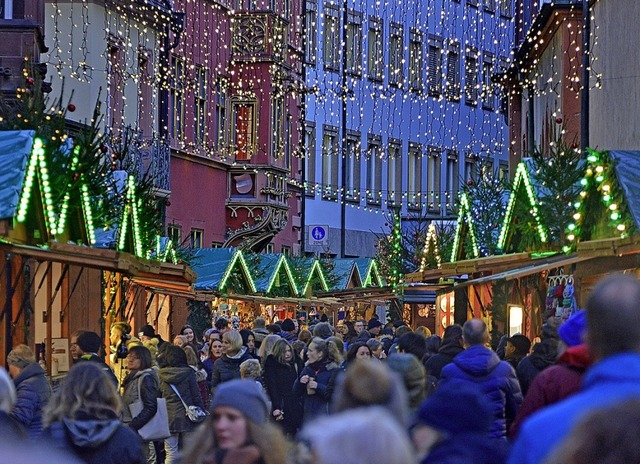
<point x="143" y="354"/>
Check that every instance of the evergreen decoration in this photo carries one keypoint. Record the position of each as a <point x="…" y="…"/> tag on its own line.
<point x="601" y="210"/>
<point x="480" y="212"/>
<point x="390" y="251"/>
<point x="199" y="317"/>
<point x="556" y="175"/>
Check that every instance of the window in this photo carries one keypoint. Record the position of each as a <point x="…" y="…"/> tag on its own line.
<point x="505" y="8"/>
<point x="503" y="170"/>
<point x="452" y="176"/>
<point x="375" y="52"/>
<point x="221" y="114"/>
<point x="453" y="72"/>
<point x="501" y="96"/>
<point x="287" y="141"/>
<point x="216" y="244"/>
<point x="471" y="78"/>
<point x="433" y="179"/>
<point x="200" y="105"/>
<point x="394" y="172"/>
<point x="277" y="139"/>
<point x="330" y="162"/>
<point x="331" y="38"/>
<point x="415" y="60"/>
<point x="286" y="251"/>
<point x="177" y="98"/>
<point x="490" y="5"/>
<point x="473" y="3"/>
<point x="311" y="34"/>
<point x="196" y="236"/>
<point x="352" y="189"/>
<point x="374" y="169"/>
<point x="414" y="176"/>
<point x="310" y="159"/>
<point x="434" y="66"/>
<point x="243" y="115"/>
<point x="269" y="248"/>
<point x="469" y="168"/>
<point x="145" y="93"/>
<point x="174" y="232"/>
<point x="115" y="88"/>
<point x="488" y="94"/>
<point x="354" y="43"/>
<point x="396" y="54"/>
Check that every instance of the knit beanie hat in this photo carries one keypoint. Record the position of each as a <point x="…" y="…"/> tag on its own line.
<point x="456" y="410"/>
<point x="571" y="331"/>
<point x="373" y="323"/>
<point x="147" y="331"/>
<point x="288" y="325"/>
<point x="245" y="396"/>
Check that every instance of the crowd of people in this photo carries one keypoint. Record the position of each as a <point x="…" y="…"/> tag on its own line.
<point x="353" y="392"/>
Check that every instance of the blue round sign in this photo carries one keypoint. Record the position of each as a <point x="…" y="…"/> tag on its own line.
<point x="318" y="233"/>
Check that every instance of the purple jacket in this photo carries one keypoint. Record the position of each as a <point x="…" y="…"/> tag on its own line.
<point x="481" y="367"/>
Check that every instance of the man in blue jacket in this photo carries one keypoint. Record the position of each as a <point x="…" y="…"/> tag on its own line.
<point x="613" y="338"/>
<point x="480" y="368"/>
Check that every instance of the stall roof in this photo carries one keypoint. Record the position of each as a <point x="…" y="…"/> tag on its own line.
<point x="347" y="271"/>
<point x="268" y="268"/>
<point x="15" y="151"/>
<point x="627" y="168"/>
<point x="369" y="273"/>
<point x="533" y="267"/>
<point x="213" y="267"/>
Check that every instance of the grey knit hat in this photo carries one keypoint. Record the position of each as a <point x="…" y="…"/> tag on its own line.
<point x="245" y="396"/>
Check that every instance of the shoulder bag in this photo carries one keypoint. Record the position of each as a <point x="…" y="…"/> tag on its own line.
<point x="158" y="427"/>
<point x="195" y="413"/>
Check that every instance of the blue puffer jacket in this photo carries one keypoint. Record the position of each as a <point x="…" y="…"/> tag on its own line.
<point x="481" y="367"/>
<point x="33" y="393"/>
<point x="317" y="404"/>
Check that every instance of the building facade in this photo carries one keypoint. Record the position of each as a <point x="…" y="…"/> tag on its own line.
<point x="400" y="107"/>
<point x="234" y="124"/>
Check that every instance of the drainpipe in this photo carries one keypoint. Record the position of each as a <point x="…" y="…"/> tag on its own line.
<point x="303" y="120"/>
<point x="584" y="100"/>
<point x="343" y="204"/>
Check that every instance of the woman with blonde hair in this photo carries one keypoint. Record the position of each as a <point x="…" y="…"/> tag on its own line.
<point x="267" y="346"/>
<point x="233" y="354"/>
<point x="238" y="430"/>
<point x="315" y="384"/>
<point x="83" y="418"/>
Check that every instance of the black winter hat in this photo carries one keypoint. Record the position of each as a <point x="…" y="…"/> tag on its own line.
<point x="373" y="323"/>
<point x="288" y="325"/>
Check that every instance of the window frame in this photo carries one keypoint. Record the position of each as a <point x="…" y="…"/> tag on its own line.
<point x="251" y="129"/>
<point x="354" y="43"/>
<point x="374" y="170"/>
<point x="331" y="38"/>
<point x="414" y="176"/>
<point x="375" y="49"/>
<point x="435" y="66"/>
<point x="471" y="77"/>
<point x="452" y="88"/>
<point x="395" y="75"/>
<point x="330" y="161"/>
<point x="434" y="179"/>
<point x="416" y="60"/>
<point x="200" y="99"/>
<point x="311" y="32"/>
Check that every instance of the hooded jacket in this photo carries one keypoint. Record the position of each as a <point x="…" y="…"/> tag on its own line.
<point x="544" y="355"/>
<point x="481" y="367"/>
<point x="445" y="355"/>
<point x="33" y="393"/>
<point x="97" y="441"/>
<point x="228" y="368"/>
<point x="555" y="383"/>
<point x="184" y="379"/>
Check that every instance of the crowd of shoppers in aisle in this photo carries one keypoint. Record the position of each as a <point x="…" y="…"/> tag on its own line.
<point x="356" y="392"/>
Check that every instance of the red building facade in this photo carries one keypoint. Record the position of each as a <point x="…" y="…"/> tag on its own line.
<point x="235" y="103"/>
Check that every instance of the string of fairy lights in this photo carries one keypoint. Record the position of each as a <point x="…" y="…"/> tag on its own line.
<point x="373" y="106"/>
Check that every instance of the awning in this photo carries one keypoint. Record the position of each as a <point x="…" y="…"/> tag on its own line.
<point x="534" y="267"/>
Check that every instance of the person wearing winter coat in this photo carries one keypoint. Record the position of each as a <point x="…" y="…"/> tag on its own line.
<point x="451" y="346"/>
<point x="543" y="355"/>
<point x="144" y="379"/>
<point x="281" y="369"/>
<point x="316" y="381"/>
<point x="562" y="379"/>
<point x="10" y="429"/>
<point x="32" y="389"/>
<point x="228" y="366"/>
<point x="175" y="371"/>
<point x="83" y="418"/>
<point x="453" y="426"/>
<point x="120" y="335"/>
<point x="480" y="367"/>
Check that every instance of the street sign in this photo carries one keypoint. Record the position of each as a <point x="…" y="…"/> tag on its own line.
<point x="318" y="235"/>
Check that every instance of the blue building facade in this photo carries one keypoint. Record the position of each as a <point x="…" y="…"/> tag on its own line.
<point x="404" y="91"/>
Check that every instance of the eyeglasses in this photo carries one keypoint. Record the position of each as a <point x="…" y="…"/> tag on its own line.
<point x="132" y="357"/>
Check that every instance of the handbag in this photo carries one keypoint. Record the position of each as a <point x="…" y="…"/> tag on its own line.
<point x="195" y="413"/>
<point x="158" y="427"/>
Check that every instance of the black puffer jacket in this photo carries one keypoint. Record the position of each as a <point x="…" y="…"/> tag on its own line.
<point x="149" y="391"/>
<point x="184" y="379"/>
<point x="445" y="355"/>
<point x="544" y="355"/>
<point x="33" y="393"/>
<point x="228" y="368"/>
<point x="279" y="379"/>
